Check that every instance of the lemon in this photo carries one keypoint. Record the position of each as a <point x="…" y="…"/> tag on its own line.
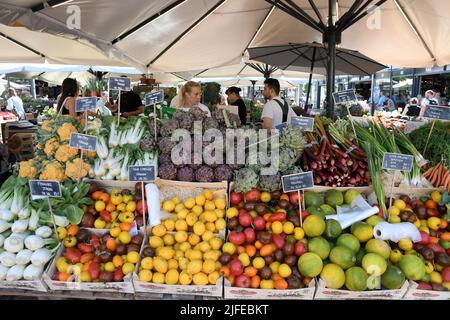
<point x="133" y="257"/>
<point x="211" y="255"/>
<point x="400" y="204"/>
<point x="209" y="266"/>
<point x="436" y="196"/>
<point x="207" y="235"/>
<point x="168" y="240"/>
<point x="209" y="205"/>
<point x="204" y="246"/>
<point x="232" y="212"/>
<point x="147" y="263"/>
<point x="299" y="234"/>
<point x="159" y="230"/>
<point x="216" y="243"/>
<point x="194" y="239"/>
<point x="210" y="216"/>
<point x="171" y="277"/>
<point x="179" y="207"/>
<point x="200" y="200"/>
<point x="145" y="276"/>
<point x="213" y="277"/>
<point x="405" y="244"/>
<point x="184" y="246"/>
<point x="128" y="268"/>
<point x="435" y="277"/>
<point x="189" y="203"/>
<point x="220" y="203"/>
<point x="182" y="214"/>
<point x="167" y="253"/>
<point x="201" y="218"/>
<point x="114" y="232"/>
<point x="169" y="224"/>
<point x="220" y="224"/>
<point x="181" y="236"/>
<point x="172" y="264"/>
<point x="182" y="263"/>
<point x="198" y="210"/>
<point x="208" y="194"/>
<point x="199" y="228"/>
<point x="178" y="254"/>
<point x="195" y="255"/>
<point x="200" y="279"/>
<point x="395" y="219"/>
<point x="394" y="211"/>
<point x="176" y="200"/>
<point x="210" y="226"/>
<point x="169" y="205"/>
<point x="181" y="225"/>
<point x="156" y="242"/>
<point x="288" y="227"/>
<point x="158" y="278"/>
<point x="220" y="213"/>
<point x="185" y="278"/>
<point x="160" y="264"/>
<point x="230" y="248"/>
<point x="191" y="219"/>
<point x="284" y="270"/>
<point x="194" y="266"/>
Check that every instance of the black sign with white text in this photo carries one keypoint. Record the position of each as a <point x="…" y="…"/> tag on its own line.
<point x="304" y="123"/>
<point x="42" y="188"/>
<point x="83" y="141"/>
<point x="437" y="112"/>
<point x="396" y="161"/>
<point x="123" y="84"/>
<point x="154" y="98"/>
<point x="299" y="181"/>
<point x="85" y="104"/>
<point x="344" y="97"/>
<point x="141" y="173"/>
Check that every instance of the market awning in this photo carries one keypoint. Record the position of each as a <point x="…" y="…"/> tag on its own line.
<point x="180" y="35"/>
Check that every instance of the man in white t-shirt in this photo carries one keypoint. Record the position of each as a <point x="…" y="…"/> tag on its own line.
<point x="15" y="104"/>
<point x="276" y="111"/>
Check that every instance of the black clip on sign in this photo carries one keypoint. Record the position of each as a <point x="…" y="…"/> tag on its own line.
<point x="298" y="181"/>
<point x="396" y="161"/>
<point x="154" y="98"/>
<point x="141" y="173"/>
<point x="437" y="112"/>
<point x="123" y="84"/>
<point x="83" y="141"/>
<point x="304" y="123"/>
<point x="344" y="97"/>
<point x="45" y="189"/>
<point x="85" y="104"/>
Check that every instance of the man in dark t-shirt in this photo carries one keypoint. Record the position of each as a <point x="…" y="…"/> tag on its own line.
<point x="130" y="104"/>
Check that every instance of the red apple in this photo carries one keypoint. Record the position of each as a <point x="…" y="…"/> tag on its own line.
<point x="243" y="281"/>
<point x="425" y="238"/>
<point x="245" y="219"/>
<point x="446" y="274"/>
<point x="236" y="238"/>
<point x="250" y="235"/>
<point x="293" y="198"/>
<point x="235" y="198"/>
<point x="300" y="249"/>
<point x="259" y="223"/>
<point x="236" y="267"/>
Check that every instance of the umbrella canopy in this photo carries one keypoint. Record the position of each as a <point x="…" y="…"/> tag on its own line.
<point x="181" y="35"/>
<point x="313" y="56"/>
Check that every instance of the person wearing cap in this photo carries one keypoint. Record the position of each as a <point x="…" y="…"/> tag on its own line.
<point x="235" y="99"/>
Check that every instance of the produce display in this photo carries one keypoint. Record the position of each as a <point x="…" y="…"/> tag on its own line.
<point x="92" y="257"/>
<point x="439" y="175"/>
<point x="185" y="248"/>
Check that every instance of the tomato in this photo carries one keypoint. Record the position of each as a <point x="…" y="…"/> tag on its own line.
<point x="235" y="198"/>
<point x="70" y="241"/>
<point x="293" y="198"/>
<point x="140" y="206"/>
<point x="253" y="195"/>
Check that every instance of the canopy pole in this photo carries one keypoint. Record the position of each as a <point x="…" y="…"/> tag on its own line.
<point x="330" y="39"/>
<point x="310" y="77"/>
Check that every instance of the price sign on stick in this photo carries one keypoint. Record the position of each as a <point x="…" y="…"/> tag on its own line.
<point x="153" y="98"/>
<point x="83" y="141"/>
<point x="344" y="97"/>
<point x="437" y="112"/>
<point x="141" y="173"/>
<point x="396" y="162"/>
<point x="85" y="104"/>
<point x="45" y="189"/>
<point x="304" y="123"/>
<point x="122" y="84"/>
<point x="298" y="182"/>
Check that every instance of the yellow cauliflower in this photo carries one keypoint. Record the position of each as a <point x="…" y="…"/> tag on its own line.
<point x="65" y="152"/>
<point x="92" y="154"/>
<point x="46" y="125"/>
<point x="65" y="130"/>
<point x="50" y="147"/>
<point x="28" y="169"/>
<point x="53" y="171"/>
<point x="72" y="168"/>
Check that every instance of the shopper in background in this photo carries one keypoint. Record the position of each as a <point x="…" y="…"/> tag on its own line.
<point x="430" y="99"/>
<point x="131" y="104"/>
<point x="390" y="104"/>
<point x="438" y="98"/>
<point x="234" y="96"/>
<point x="103" y="104"/>
<point x="190" y="96"/>
<point x="382" y="101"/>
<point x="15" y="104"/>
<point x="276" y="111"/>
<point x="412" y="109"/>
<point x="66" y="102"/>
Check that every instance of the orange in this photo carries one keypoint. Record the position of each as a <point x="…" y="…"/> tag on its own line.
<point x="104" y="197"/>
<point x="431" y="204"/>
<point x="250" y="271"/>
<point x="255" y="282"/>
<point x="96" y="195"/>
<point x="444" y="224"/>
<point x="117" y="261"/>
<point x="225" y="271"/>
<point x="63" y="276"/>
<point x="111" y="244"/>
<point x="110" y="207"/>
<point x="251" y="250"/>
<point x="280" y="284"/>
<point x="73" y="229"/>
<point x="125" y="226"/>
<point x="284" y="196"/>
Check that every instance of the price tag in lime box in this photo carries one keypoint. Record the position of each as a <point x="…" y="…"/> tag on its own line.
<point x="121" y="83"/>
<point x="85" y="104"/>
<point x="304" y="123"/>
<point x="397" y="161"/>
<point x="298" y="181"/>
<point x="43" y="188"/>
<point x="141" y="173"/>
<point x="83" y="141"/>
<point x="437" y="112"/>
<point x="154" y="98"/>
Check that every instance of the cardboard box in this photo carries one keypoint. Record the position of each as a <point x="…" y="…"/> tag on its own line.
<point x="35" y="285"/>
<point x="415" y="294"/>
<point x="323" y="293"/>
<point x="118" y="287"/>
<point x="261" y="294"/>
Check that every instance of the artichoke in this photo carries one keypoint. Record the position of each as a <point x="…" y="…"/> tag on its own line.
<point x="292" y="170"/>
<point x="167" y="171"/>
<point x="288" y="158"/>
<point x="270" y="183"/>
<point x="218" y="115"/>
<point x="169" y="128"/>
<point x="245" y="179"/>
<point x="223" y="173"/>
<point x="185" y="174"/>
<point x="210" y="123"/>
<point x="164" y="158"/>
<point x="293" y="139"/>
<point x="204" y="174"/>
<point x="151" y="126"/>
<point x="166" y="145"/>
<point x="198" y="114"/>
<point x="148" y="145"/>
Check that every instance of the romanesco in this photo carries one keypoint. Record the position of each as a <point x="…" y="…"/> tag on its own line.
<point x="50" y="147"/>
<point x="72" y="168"/>
<point x="65" y="152"/>
<point x="53" y="171"/>
<point x="65" y="130"/>
<point x="28" y="169"/>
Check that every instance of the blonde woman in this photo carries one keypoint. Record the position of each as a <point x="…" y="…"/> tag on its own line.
<point x="190" y="95"/>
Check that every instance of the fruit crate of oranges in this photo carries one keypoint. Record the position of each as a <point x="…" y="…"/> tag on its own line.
<point x="181" y="253"/>
<point x="95" y="260"/>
